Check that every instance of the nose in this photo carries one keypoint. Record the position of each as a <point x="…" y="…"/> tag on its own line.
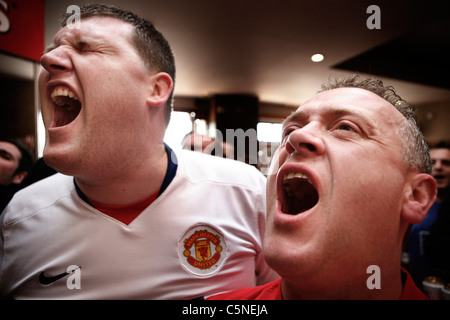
<point x="437" y="165"/>
<point x="306" y="141"/>
<point x="57" y="60"/>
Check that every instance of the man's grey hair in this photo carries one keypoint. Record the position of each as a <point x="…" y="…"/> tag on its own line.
<point x="415" y="148"/>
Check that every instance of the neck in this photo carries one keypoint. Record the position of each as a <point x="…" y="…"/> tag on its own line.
<point x="345" y="285"/>
<point x="127" y="184"/>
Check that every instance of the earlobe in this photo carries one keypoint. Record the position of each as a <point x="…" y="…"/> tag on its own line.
<point x="161" y="88"/>
<point x="419" y="198"/>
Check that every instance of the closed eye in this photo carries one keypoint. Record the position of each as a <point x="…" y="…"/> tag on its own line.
<point x="79" y="46"/>
<point x="82" y="46"/>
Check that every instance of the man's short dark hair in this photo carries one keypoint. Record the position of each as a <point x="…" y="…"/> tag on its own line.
<point x="441" y="145"/>
<point x="149" y="43"/>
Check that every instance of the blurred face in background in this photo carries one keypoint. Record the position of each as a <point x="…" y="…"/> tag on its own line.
<point x="440" y="159"/>
<point x="9" y="162"/>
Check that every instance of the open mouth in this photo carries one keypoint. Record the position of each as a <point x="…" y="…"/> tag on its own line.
<point x="440" y="179"/>
<point x="67" y="106"/>
<point x="299" y="195"/>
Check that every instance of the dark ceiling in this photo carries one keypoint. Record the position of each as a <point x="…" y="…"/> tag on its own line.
<point x="422" y="56"/>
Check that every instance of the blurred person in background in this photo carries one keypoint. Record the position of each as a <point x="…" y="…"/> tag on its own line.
<point x="418" y="264"/>
<point x="15" y="162"/>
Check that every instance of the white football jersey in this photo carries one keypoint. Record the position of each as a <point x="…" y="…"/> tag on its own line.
<point x="201" y="236"/>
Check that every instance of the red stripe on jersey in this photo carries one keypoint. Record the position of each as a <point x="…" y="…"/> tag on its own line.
<point x="127" y="213"/>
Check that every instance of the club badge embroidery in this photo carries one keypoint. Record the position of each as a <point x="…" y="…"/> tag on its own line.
<point x="202" y="250"/>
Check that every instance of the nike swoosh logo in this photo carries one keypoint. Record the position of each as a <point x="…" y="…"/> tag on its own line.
<point x="43" y="279"/>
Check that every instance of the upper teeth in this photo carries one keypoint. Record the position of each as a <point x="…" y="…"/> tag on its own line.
<point x="64" y="92"/>
<point x="292" y="175"/>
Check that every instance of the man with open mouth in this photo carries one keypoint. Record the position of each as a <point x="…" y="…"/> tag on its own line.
<point x="352" y="172"/>
<point x="126" y="217"/>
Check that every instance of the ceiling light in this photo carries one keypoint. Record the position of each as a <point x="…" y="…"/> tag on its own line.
<point x="317" y="57"/>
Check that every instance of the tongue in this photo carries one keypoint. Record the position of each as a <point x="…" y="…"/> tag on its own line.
<point x="301" y="196"/>
<point x="67" y="111"/>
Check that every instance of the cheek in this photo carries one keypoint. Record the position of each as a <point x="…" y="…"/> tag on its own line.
<point x="115" y="107"/>
<point x="46" y="107"/>
<point x="278" y="159"/>
<point x="370" y="185"/>
<point x="367" y="187"/>
<point x="371" y="205"/>
<point x="271" y="189"/>
<point x="7" y="166"/>
<point x="271" y="195"/>
<point x="274" y="164"/>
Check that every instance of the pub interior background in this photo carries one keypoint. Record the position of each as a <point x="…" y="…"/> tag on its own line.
<point x="247" y="64"/>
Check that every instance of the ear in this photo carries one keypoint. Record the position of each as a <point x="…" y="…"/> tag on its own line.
<point x="161" y="88"/>
<point x="419" y="197"/>
<point x="18" y="177"/>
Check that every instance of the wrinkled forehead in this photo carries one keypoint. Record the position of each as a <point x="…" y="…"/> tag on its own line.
<point x="348" y="101"/>
<point x="96" y="27"/>
<point x="440" y="153"/>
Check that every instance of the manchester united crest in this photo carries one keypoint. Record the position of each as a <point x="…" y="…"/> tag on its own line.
<point x="202" y="250"/>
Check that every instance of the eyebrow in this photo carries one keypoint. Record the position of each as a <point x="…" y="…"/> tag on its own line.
<point x="301" y="116"/>
<point x="54" y="45"/>
<point x="73" y="39"/>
